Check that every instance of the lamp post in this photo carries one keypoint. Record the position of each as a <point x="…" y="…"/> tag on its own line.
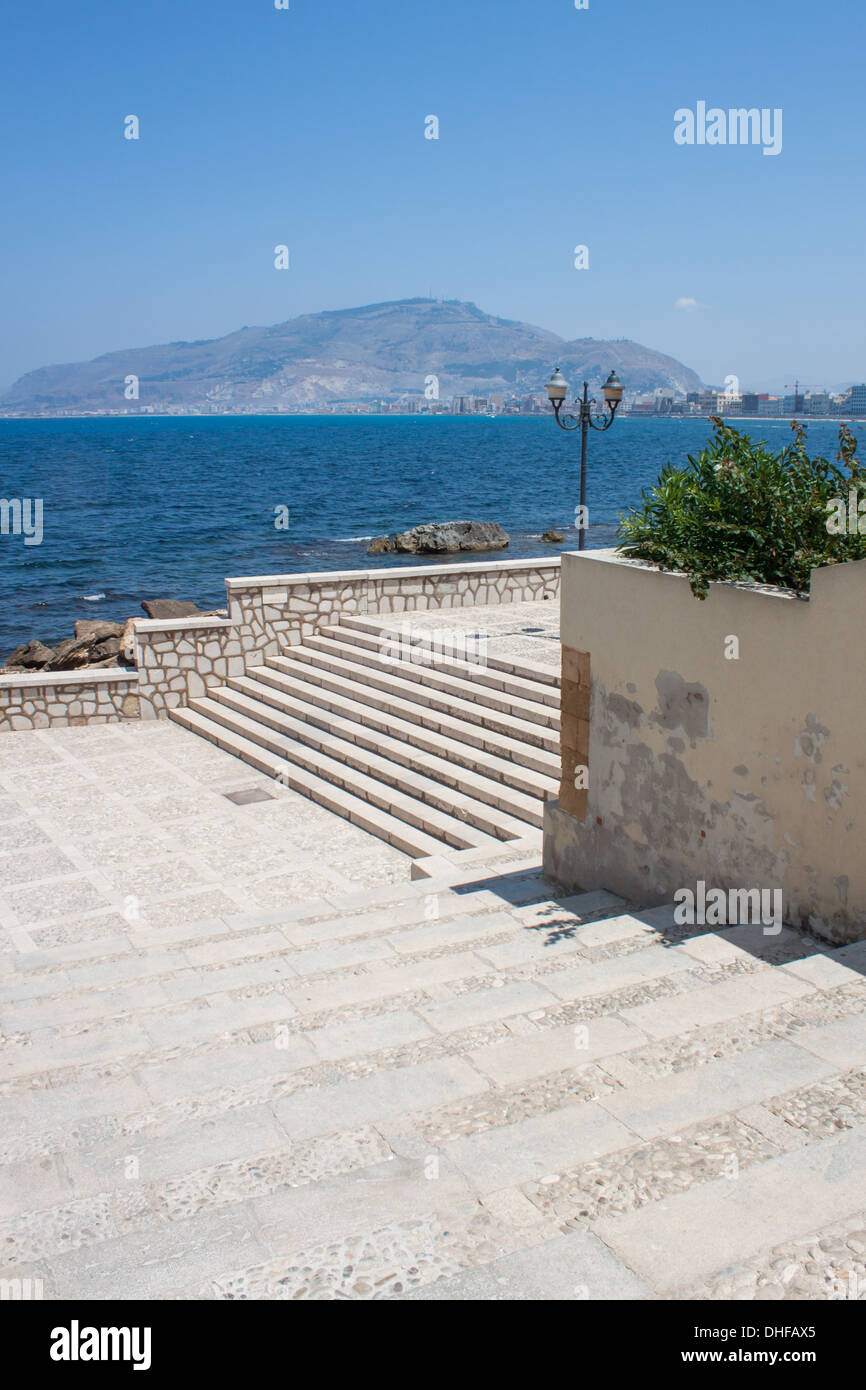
<point x="584" y="420"/>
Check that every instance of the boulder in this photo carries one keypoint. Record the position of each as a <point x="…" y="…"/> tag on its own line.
<point x="439" y="538"/>
<point x="381" y="545"/>
<point x="553" y="537"/>
<point x="97" y="628"/>
<point x="33" y="656"/>
<point x="71" y="655"/>
<point x="169" y="608"/>
<point x="109" y="647"/>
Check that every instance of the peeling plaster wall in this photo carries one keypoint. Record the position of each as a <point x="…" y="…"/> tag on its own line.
<point x="745" y="773"/>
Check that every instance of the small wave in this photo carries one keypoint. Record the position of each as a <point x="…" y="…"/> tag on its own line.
<point x="92" y="598"/>
<point x="344" y="540"/>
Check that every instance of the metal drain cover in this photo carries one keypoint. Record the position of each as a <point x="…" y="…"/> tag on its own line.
<point x="249" y="794"/>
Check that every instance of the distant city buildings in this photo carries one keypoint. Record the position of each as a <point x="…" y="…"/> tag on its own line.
<point x="664" y="401"/>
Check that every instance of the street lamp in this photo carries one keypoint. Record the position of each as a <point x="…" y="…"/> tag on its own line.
<point x="584" y="420"/>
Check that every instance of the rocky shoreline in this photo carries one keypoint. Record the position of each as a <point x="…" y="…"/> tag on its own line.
<point x="97" y="642"/>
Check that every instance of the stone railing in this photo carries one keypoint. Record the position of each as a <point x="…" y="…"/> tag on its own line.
<point x="179" y="659"/>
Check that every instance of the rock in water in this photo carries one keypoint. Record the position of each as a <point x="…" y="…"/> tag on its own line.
<point x="439" y="538"/>
<point x="97" y="628"/>
<point x="33" y="656"/>
<point x="553" y="537"/>
<point x="71" y="654"/>
<point x="169" y="608"/>
<point x="380" y="545"/>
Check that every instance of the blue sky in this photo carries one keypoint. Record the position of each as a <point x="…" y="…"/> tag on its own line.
<point x="306" y="127"/>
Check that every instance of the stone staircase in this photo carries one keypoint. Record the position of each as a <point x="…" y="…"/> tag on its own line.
<point x="429" y="751"/>
<point x="474" y="1087"/>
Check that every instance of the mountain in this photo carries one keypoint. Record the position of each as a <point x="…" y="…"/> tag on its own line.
<point x="377" y="351"/>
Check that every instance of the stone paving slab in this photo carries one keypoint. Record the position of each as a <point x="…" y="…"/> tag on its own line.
<point x="713" y="1226"/>
<point x="574" y="1267"/>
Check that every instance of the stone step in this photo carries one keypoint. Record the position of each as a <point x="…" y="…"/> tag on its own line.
<point x="526" y="670"/>
<point x="447" y="659"/>
<point x="442" y="825"/>
<point x="361" y="721"/>
<point x="297" y="679"/>
<point x="408" y="838"/>
<point x="388" y="661"/>
<point x="315" y="726"/>
<point x="277" y="956"/>
<point x="273" y="728"/>
<point x="322" y="667"/>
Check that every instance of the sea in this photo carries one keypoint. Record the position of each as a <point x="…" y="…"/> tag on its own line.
<point x="166" y="507"/>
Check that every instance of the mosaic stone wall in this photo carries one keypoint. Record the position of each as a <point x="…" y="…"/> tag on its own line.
<point x="67" y="697"/>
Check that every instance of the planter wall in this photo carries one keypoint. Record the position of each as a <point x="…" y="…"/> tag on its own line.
<point x="743" y="773"/>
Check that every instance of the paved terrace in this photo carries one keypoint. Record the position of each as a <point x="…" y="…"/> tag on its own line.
<point x="244" y="1056"/>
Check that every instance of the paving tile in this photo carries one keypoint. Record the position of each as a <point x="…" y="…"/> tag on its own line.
<point x="231" y="1065"/>
<point x="554" y="1049"/>
<point x="384" y="1031"/>
<point x="605" y="977"/>
<point x="731" y="999"/>
<point x="570" y="1268"/>
<point x="484" y="1006"/>
<point x="385" y="981"/>
<point x="149" y="1264"/>
<point x="533" y="1149"/>
<point x="677" y="1240"/>
<point x="842" y="1042"/>
<point x="378" y="1097"/>
<point x="683" y="1098"/>
<point x="244" y="1132"/>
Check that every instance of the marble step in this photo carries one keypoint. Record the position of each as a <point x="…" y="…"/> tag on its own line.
<point x="408" y="837"/>
<point x="448" y="660"/>
<point x="526" y="670"/>
<point x="355" y="719"/>
<point x="429" y="676"/>
<point x="297" y="678"/>
<point x="360" y="747"/>
<point x="280" y="731"/>
<point x="322" y="667"/>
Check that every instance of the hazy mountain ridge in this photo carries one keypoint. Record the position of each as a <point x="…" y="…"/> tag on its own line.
<point x="377" y="350"/>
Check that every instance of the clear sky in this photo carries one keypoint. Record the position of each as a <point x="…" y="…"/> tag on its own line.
<point x="305" y="127"/>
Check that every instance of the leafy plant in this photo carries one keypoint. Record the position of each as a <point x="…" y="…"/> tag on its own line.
<point x="738" y="511"/>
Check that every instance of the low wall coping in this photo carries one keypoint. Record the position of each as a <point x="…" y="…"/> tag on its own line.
<point x="86" y="675"/>
<point x="611" y="556"/>
<point x="188" y="624"/>
<point x="278" y="581"/>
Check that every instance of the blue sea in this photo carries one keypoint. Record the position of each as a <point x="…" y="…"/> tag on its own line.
<point x="143" y="507"/>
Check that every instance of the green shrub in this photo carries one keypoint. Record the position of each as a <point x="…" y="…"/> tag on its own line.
<point x="740" y="512"/>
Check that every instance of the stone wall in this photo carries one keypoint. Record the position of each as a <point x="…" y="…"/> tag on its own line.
<point x="179" y="660"/>
<point x="68" y="697"/>
<point x="725" y="740"/>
